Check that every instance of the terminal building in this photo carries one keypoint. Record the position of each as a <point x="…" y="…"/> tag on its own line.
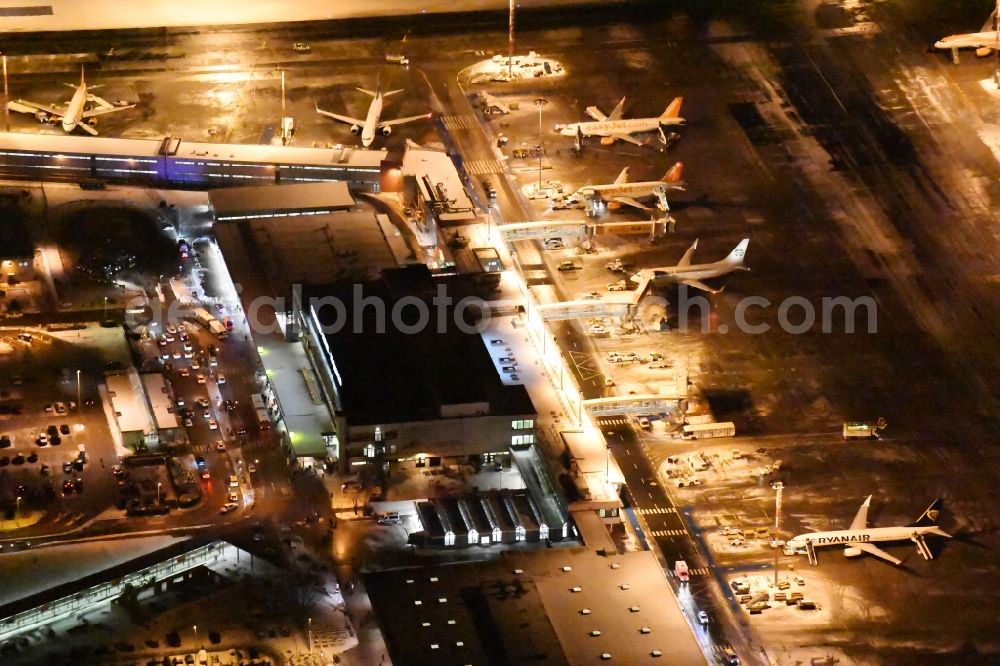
<point x="419" y="393"/>
<point x="142" y="409"/>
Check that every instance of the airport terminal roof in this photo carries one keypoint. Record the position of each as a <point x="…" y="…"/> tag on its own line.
<point x="312" y="249"/>
<point x="71" y="144"/>
<point x="272" y="200"/>
<point x="391" y="376"/>
<point x="526" y="608"/>
<point x="128" y="403"/>
<point x="15" y="242"/>
<point x="160" y="401"/>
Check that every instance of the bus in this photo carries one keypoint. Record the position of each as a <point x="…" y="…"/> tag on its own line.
<point x="709" y="430"/>
<point x="258" y="401"/>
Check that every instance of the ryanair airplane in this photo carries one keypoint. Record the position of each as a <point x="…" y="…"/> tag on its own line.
<point x="859" y="538"/>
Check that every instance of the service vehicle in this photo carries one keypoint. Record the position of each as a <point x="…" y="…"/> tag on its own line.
<point x="681" y="571"/>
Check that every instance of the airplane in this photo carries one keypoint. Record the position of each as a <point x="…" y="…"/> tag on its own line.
<point x="691" y="274"/>
<point x="613" y="127"/>
<point x="624" y="192"/>
<point x="859" y="538"/>
<point x="493" y="104"/>
<point x="76" y="111"/>
<point x="985" y="41"/>
<point x="372" y="123"/>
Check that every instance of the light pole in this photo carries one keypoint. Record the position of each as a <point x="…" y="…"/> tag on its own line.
<point x="17" y="511"/>
<point x="104" y="317"/>
<point x="6" y="96"/>
<point x="79" y="403"/>
<point x="510" y="42"/>
<point x="778" y="485"/>
<point x="195" y="627"/>
<point x="540" y="102"/>
<point x="310" y="636"/>
<point x="158" y="504"/>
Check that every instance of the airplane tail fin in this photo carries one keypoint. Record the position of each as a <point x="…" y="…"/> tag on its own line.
<point x="674" y="174"/>
<point x="739" y="252"/>
<point x="391" y="92"/>
<point x="930" y="516"/>
<point x="674" y="110"/>
<point x="622" y="177"/>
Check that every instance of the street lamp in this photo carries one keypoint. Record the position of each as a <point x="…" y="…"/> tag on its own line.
<point x="310" y="635"/>
<point x="540" y="102"/>
<point x="105" y="315"/>
<point x="777" y="485"/>
<point x="17" y="511"/>
<point x="158" y="493"/>
<point x="78" y="402"/>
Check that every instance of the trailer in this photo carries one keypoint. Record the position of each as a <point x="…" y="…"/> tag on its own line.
<point x="709" y="430"/>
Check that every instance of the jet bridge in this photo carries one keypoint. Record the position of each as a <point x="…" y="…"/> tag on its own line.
<point x="518" y="231"/>
<point x="626" y="405"/>
<point x="584" y="309"/>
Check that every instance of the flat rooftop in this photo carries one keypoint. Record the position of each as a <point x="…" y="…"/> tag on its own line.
<point x="488" y="613"/>
<point x="297" y="199"/>
<point x="160" y="401"/>
<point x="389" y="375"/>
<point x="313" y="249"/>
<point x="15" y="241"/>
<point x="71" y="144"/>
<point x="127" y="401"/>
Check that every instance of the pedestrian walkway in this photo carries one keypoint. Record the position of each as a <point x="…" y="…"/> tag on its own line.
<point x="666" y="533"/>
<point x="482" y="167"/>
<point x="656" y="510"/>
<point x="458" y="123"/>
<point x="615" y="421"/>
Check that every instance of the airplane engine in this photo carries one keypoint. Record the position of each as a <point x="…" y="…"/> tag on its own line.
<point x="852" y="552"/>
<point x="385" y="131"/>
<point x="92" y="121"/>
<point x="42" y="116"/>
<point x="607" y="140"/>
<point x="355" y="130"/>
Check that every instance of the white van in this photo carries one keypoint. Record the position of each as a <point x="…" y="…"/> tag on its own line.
<point x="397" y="59"/>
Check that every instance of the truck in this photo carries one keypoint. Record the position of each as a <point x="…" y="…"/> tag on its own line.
<point x="263" y="419"/>
<point x="709" y="430"/>
<point x="863" y="429"/>
<point x="218" y="329"/>
<point x="681" y="571"/>
<point x="214" y="326"/>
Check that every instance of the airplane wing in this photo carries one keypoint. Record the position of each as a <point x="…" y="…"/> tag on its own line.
<point x="596" y="114"/>
<point x="103" y="110"/>
<point x="872" y="549"/>
<point x="626" y="137"/>
<point x="629" y="201"/>
<point x="860" y="521"/>
<point x="24" y="106"/>
<point x="688" y="255"/>
<point x="337" y="116"/>
<point x="618" y="111"/>
<point x="400" y="121"/>
<point x="701" y="285"/>
<point x="100" y="101"/>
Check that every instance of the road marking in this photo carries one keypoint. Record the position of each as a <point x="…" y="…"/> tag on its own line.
<point x="458" y="123"/>
<point x="667" y="533"/>
<point x="656" y="510"/>
<point x="481" y="167"/>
